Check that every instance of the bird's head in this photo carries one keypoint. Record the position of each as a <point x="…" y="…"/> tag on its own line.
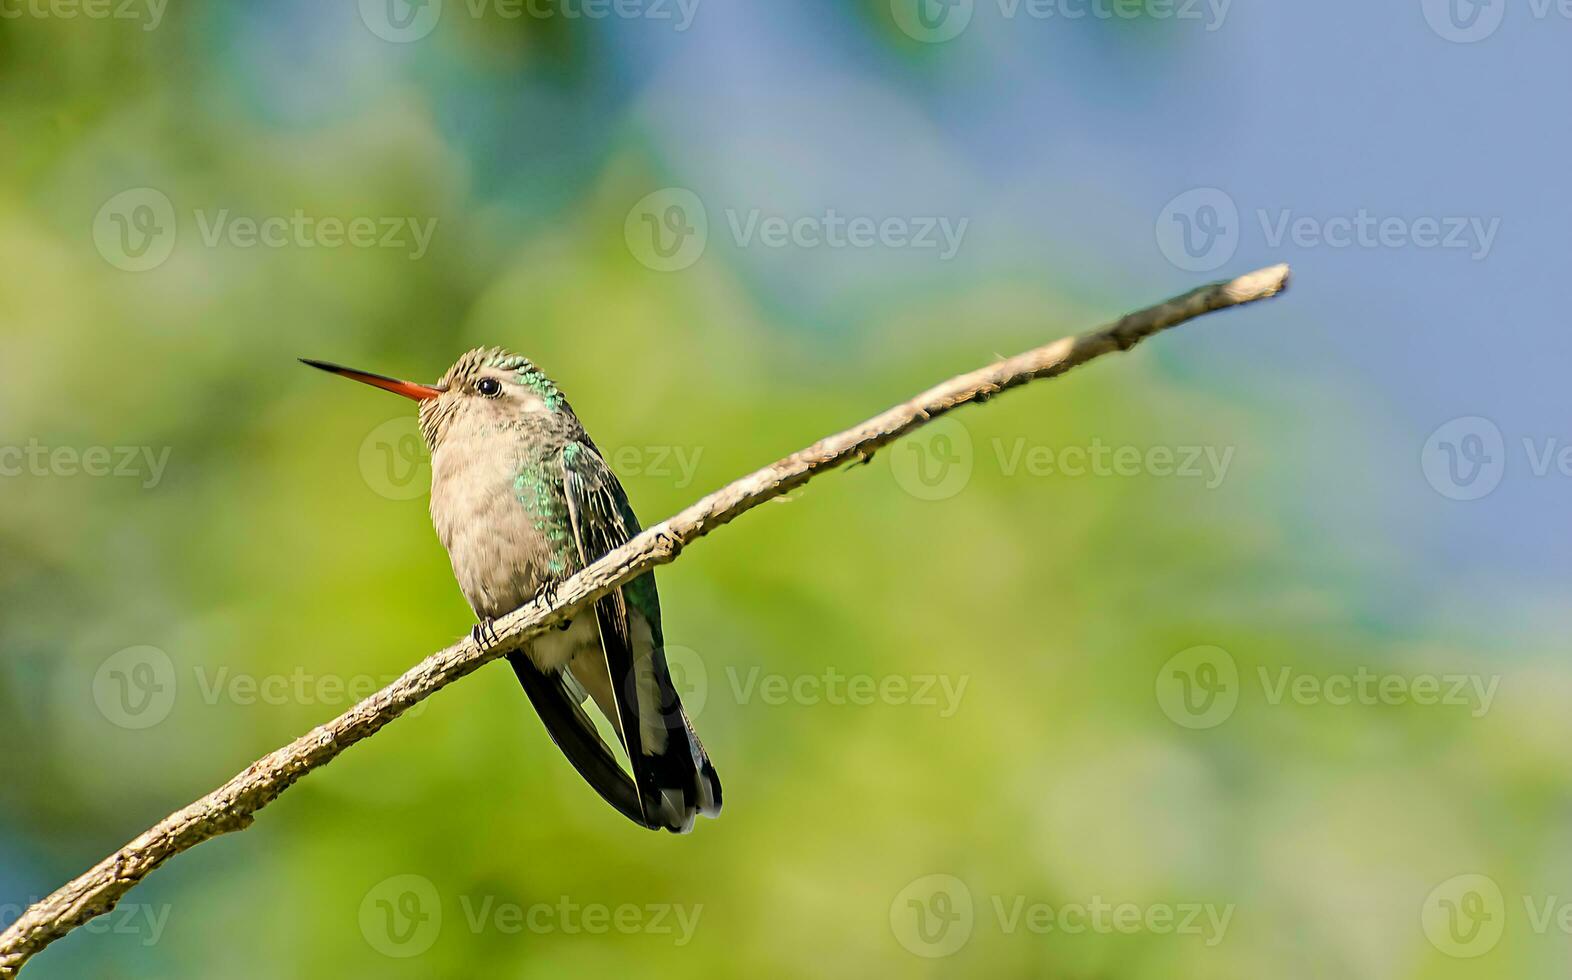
<point x="489" y="388"/>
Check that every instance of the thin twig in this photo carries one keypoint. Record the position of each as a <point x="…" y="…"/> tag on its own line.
<point x="234" y="805"/>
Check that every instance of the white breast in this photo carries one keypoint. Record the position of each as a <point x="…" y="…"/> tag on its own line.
<point x="499" y="557"/>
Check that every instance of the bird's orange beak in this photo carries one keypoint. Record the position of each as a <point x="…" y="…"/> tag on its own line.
<point x="408" y="389"/>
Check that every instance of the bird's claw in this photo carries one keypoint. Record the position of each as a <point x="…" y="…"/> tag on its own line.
<point x="484" y="633"/>
<point x="546" y="594"/>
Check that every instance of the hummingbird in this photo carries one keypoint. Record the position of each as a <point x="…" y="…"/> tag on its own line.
<point x="522" y="499"/>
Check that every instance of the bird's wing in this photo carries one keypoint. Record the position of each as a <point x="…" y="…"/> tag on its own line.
<point x="673" y="773"/>
<point x="602" y="519"/>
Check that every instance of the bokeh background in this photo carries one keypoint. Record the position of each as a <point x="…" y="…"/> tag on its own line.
<point x="1240" y="656"/>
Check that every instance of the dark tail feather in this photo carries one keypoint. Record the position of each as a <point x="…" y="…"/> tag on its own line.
<point x="576" y="736"/>
<point x="685" y="781"/>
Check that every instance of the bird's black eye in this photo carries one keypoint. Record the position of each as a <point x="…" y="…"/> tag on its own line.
<point x="490" y="387"/>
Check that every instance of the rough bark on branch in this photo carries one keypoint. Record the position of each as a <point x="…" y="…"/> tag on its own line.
<point x="233" y="806"/>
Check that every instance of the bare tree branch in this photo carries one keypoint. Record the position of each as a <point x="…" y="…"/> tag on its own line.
<point x="234" y="805"/>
